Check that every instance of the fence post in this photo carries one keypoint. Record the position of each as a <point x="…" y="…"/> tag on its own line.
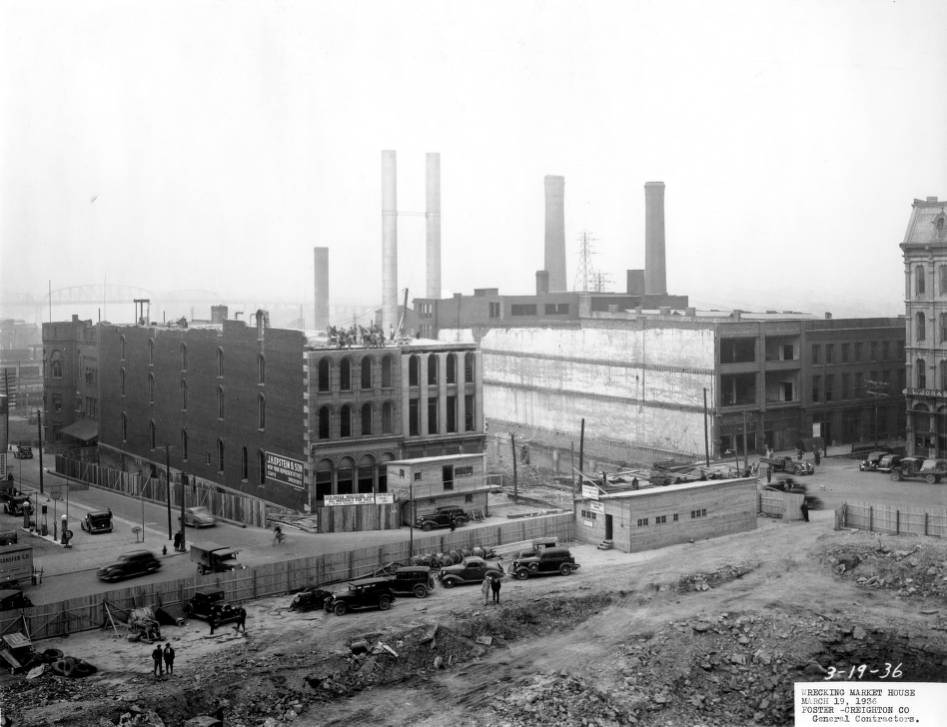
<point x="926" y="516"/>
<point x="871" y="518"/>
<point x="897" y="522"/>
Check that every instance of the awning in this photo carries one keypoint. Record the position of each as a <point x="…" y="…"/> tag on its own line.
<point x="84" y="430"/>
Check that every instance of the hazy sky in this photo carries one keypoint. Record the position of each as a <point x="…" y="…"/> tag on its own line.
<point x="211" y="145"/>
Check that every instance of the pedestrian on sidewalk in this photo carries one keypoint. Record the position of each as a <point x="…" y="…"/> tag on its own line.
<point x="242" y="620"/>
<point x="212" y="620"/>
<point x="495" y="587"/>
<point x="156" y="656"/>
<point x="486" y="590"/>
<point x="804" y="508"/>
<point x="169" y="658"/>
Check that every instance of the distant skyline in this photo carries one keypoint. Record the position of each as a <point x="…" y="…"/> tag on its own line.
<point x="207" y="145"/>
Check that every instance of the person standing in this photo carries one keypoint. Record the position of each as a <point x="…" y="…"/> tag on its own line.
<point x="156" y="656"/>
<point x="242" y="620"/>
<point x="453" y="523"/>
<point x="495" y="587"/>
<point x="804" y="508"/>
<point x="212" y="620"/>
<point x="769" y="474"/>
<point x="486" y="590"/>
<point x="169" y="658"/>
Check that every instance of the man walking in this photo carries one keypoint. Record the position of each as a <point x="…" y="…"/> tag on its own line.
<point x="242" y="620"/>
<point x="169" y="658"/>
<point x="156" y="657"/>
<point x="495" y="587"/>
<point x="486" y="590"/>
<point x="804" y="508"/>
<point x="212" y="620"/>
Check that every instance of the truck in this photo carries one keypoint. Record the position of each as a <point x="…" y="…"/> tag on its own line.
<point x="16" y="565"/>
<point x="214" y="558"/>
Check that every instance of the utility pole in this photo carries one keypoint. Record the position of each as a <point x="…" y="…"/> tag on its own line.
<point x="183" y="499"/>
<point x="39" y="431"/>
<point x="513" y="447"/>
<point x="581" y="451"/>
<point x="706" y="439"/>
<point x="167" y="468"/>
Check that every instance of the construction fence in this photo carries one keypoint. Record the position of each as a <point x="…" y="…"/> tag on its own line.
<point x="892" y="519"/>
<point x="85" y="613"/>
<point x="784" y="505"/>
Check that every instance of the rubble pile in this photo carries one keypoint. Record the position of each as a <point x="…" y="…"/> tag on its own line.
<point x="915" y="572"/>
<point x="706" y="581"/>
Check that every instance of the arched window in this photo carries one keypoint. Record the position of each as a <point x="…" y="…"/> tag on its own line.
<point x="151" y="388"/>
<point x="469" y="368"/>
<point x="183" y="394"/>
<point x="261" y="405"/>
<point x="345" y="421"/>
<point x="184" y="444"/>
<point x="345" y="374"/>
<point x="919" y="280"/>
<point x="414" y="364"/>
<point x="122" y="380"/>
<point x="323" y="378"/>
<point x="366" y="473"/>
<point x="943" y="375"/>
<point x="124" y="427"/>
<point x="220" y="455"/>
<point x="433" y="364"/>
<point x="183" y="357"/>
<point x="123" y="347"/>
<point x="920" y="373"/>
<point x="323" y="478"/>
<point x="152" y="434"/>
<point x="323" y="422"/>
<point x="151" y="351"/>
<point x="386" y="372"/>
<point x="387" y="414"/>
<point x="345" y="477"/>
<point x="246" y="465"/>
<point x="220" y="402"/>
<point x="366" y="372"/>
<point x="920" y="325"/>
<point x="366" y="419"/>
<point x="261" y="368"/>
<point x="220" y="362"/>
<point x="452" y="368"/>
<point x="56" y="365"/>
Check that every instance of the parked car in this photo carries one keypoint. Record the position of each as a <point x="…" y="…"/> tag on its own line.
<point x="214" y="558"/>
<point x="13" y="598"/>
<point x="545" y="562"/>
<point x="22" y="451"/>
<point x="785" y="463"/>
<point x="199" y="517"/>
<point x="416" y="580"/>
<point x="14" y="504"/>
<point x="471" y="569"/>
<point x="915" y="468"/>
<point x="209" y="603"/>
<point x="889" y="462"/>
<point x="129" y="565"/>
<point x="309" y="599"/>
<point x="442" y="518"/>
<point x="872" y="460"/>
<point x="97" y="522"/>
<point x="363" y="593"/>
<point x="788" y="484"/>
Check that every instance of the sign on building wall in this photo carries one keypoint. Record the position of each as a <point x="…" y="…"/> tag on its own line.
<point x="597" y="507"/>
<point x="359" y="498"/>
<point x="284" y="470"/>
<point x="384" y="498"/>
<point x="590" y="492"/>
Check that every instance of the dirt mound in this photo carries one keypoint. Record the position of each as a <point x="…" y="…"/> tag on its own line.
<point x="706" y="581"/>
<point x="916" y="572"/>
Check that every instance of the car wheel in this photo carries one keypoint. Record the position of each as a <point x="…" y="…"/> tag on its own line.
<point x="449" y="583"/>
<point x="930" y="479"/>
<point x="896" y="476"/>
<point x="327" y="606"/>
<point x="340" y="609"/>
<point x="565" y="569"/>
<point x="420" y="591"/>
<point x="384" y="603"/>
<point x="522" y="574"/>
<point x="534" y="567"/>
<point x="426" y="526"/>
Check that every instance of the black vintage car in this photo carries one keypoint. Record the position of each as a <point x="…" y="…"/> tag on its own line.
<point x="208" y="604"/>
<point x="470" y="570"/>
<point x="13" y="598"/>
<point x="310" y="598"/>
<point x="545" y="562"/>
<point x="97" y="522"/>
<point x="412" y="580"/>
<point x="363" y="593"/>
<point x="442" y="517"/>
<point x="128" y="565"/>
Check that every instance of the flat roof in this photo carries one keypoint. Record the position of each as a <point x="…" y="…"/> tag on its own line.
<point x="669" y="488"/>
<point x="438" y="458"/>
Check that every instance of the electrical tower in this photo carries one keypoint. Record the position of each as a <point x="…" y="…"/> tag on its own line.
<point x="586" y="273"/>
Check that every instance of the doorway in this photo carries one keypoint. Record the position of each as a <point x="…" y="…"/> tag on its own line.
<point x="608" y="527"/>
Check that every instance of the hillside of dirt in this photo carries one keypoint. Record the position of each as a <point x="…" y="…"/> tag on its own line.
<point x="712" y="633"/>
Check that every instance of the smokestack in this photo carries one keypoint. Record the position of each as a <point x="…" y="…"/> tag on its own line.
<point x="542" y="282"/>
<point x="389" y="241"/>
<point x="433" y="215"/>
<point x="655" y="280"/>
<point x="321" y="288"/>
<point x="555" y="233"/>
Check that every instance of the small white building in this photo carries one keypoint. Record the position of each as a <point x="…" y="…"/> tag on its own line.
<point x="433" y="482"/>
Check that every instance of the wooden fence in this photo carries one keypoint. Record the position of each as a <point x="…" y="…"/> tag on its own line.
<point x="223" y="503"/>
<point x="272" y="579"/>
<point x="780" y="504"/>
<point x="892" y="519"/>
<point x="350" y="518"/>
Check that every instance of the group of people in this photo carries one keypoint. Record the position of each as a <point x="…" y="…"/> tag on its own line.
<point x="373" y="336"/>
<point x="163" y="659"/>
<point x="491" y="584"/>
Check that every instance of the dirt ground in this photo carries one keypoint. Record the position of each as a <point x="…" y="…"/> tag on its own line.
<point x="707" y="633"/>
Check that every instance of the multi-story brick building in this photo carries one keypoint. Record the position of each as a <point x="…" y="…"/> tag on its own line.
<point x="70" y="383"/>
<point x="925" y="296"/>
<point x="274" y="414"/>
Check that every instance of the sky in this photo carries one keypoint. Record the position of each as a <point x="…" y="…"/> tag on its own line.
<point x="204" y="145"/>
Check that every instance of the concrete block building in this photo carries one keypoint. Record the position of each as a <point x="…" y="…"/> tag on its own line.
<point x="422" y="485"/>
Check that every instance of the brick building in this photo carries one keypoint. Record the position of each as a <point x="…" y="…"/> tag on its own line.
<point x="71" y="400"/>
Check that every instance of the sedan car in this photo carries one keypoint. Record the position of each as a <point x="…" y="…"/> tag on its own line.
<point x="199" y="517"/>
<point x="309" y="599"/>
<point x="470" y="570"/>
<point x="363" y="593"/>
<point x="129" y="565"/>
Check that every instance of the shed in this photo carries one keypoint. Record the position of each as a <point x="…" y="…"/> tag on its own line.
<point x="433" y="482"/>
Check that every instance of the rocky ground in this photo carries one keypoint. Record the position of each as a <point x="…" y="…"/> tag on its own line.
<point x="712" y="633"/>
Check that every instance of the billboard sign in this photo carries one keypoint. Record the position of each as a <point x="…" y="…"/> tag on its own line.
<point x="285" y="470"/>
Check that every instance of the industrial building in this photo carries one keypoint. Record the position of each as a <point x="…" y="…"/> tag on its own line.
<point x="925" y="295"/>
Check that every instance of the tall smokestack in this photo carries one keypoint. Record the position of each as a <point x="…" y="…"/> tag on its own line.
<point x="320" y="256"/>
<point x="433" y="215"/>
<point x="655" y="280"/>
<point x="555" y="233"/>
<point x="389" y="241"/>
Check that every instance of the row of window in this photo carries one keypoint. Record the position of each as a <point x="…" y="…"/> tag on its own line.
<point x="261" y="359"/>
<point x="920" y="327"/>
<point x="920" y="279"/>
<point x="854" y="351"/>
<point x="920" y="374"/>
<point x="854" y="386"/>
<point x="643" y="522"/>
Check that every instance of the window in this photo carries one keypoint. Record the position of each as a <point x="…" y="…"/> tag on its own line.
<point x="523" y="309"/>
<point x="345" y="421"/>
<point x="433" y="366"/>
<point x="246" y="464"/>
<point x="261" y="464"/>
<point x="184" y="444"/>
<point x="183" y="357"/>
<point x="921" y="373"/>
<point x="322" y="379"/>
<point x="942" y="274"/>
<point x="56" y="365"/>
<point x="556" y="309"/>
<point x="674" y="518"/>
<point x="859" y="383"/>
<point x="124" y="427"/>
<point x="323" y="422"/>
<point x="152" y="434"/>
<point x="829" y="352"/>
<point x="121" y="380"/>
<point x="183" y="394"/>
<point x="414" y="424"/>
<point x="220" y="455"/>
<point x="57" y="402"/>
<point x="469" y="425"/>
<point x="414" y="364"/>
<point x="366" y="372"/>
<point x="919" y="280"/>
<point x="452" y="368"/>
<point x="816" y="349"/>
<point x="738" y="389"/>
<point x="858" y="351"/>
<point x="873" y="350"/>
<point x="463" y="470"/>
<point x="737" y="350"/>
<point x="386" y="372"/>
<point x="261" y="411"/>
<point x="660" y="519"/>
<point x="220" y="362"/>
<point x="589" y="514"/>
<point x="345" y="374"/>
<point x="151" y="388"/>
<point x="829" y="385"/>
<point x="788" y="352"/>
<point x="642" y="522"/>
<point x="468" y="498"/>
<point x="261" y="368"/>
<point x="920" y="324"/>
<point x="885" y="350"/>
<point x="447" y="477"/>
<point x="366" y="419"/>
<point x="846" y="386"/>
<point x="943" y="375"/>
<point x="943" y="327"/>
<point x="451" y="414"/>
<point x="494" y="309"/>
<point x="220" y="402"/>
<point x="386" y="417"/>
<point x="845" y="347"/>
<point x="698" y="513"/>
<point x="432" y="416"/>
<point x="469" y="367"/>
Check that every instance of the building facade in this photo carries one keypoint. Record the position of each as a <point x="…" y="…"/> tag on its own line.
<point x="925" y="296"/>
<point x="71" y="397"/>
